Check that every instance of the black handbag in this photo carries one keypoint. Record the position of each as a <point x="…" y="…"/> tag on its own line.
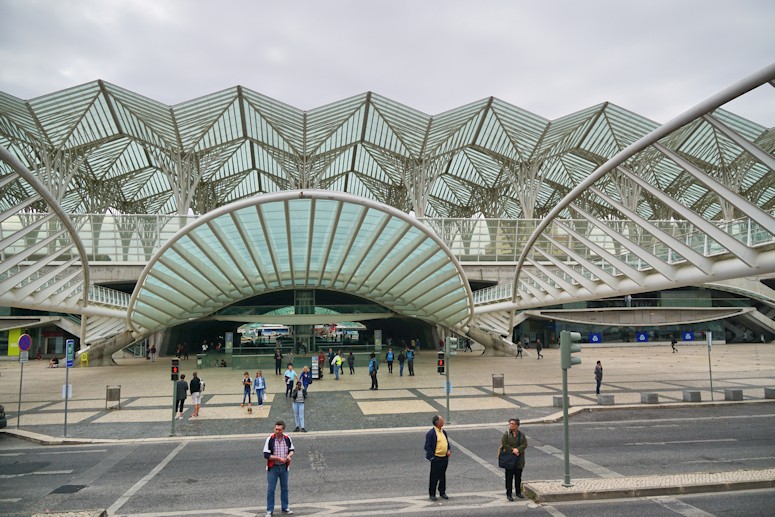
<point x="508" y="460"/>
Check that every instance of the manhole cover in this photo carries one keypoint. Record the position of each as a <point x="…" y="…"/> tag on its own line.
<point x="68" y="489"/>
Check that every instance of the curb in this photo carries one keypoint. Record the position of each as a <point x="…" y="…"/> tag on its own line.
<point x="539" y="494"/>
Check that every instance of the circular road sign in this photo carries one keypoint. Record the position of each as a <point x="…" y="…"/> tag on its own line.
<point x="25" y="342"/>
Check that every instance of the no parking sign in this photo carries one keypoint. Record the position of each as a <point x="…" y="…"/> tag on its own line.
<point x="25" y="342"/>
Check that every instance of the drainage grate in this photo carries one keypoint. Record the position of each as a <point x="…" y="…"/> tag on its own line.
<point x="68" y="489"/>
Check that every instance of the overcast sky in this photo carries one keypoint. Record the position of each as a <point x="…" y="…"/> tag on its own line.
<point x="656" y="58"/>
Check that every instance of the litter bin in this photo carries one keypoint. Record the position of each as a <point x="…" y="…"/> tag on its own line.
<point x="200" y="360"/>
<point x="497" y="382"/>
<point x="113" y="394"/>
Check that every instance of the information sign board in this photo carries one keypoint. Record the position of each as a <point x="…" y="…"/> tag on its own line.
<point x="70" y="352"/>
<point x="24" y="357"/>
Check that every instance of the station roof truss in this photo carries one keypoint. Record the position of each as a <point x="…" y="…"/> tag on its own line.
<point x="98" y="147"/>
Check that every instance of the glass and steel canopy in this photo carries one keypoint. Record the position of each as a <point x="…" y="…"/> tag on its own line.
<point x="301" y="240"/>
<point x="99" y="147"/>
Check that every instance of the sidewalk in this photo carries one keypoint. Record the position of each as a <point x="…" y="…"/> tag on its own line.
<point x="649" y="486"/>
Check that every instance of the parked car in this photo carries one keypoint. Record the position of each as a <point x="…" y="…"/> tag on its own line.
<point x="3" y="421"/>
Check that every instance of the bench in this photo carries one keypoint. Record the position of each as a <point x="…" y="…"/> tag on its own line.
<point x="733" y="394"/>
<point x="769" y="393"/>
<point x="649" y="398"/>
<point x="557" y="401"/>
<point x="692" y="396"/>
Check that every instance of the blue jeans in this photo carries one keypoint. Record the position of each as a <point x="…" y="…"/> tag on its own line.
<point x="246" y="395"/>
<point x="336" y="371"/>
<point x="260" y="396"/>
<point x="401" y="369"/>
<point x="298" y="413"/>
<point x="272" y="475"/>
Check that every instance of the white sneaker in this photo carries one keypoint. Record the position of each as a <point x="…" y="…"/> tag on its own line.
<point x="268" y="514"/>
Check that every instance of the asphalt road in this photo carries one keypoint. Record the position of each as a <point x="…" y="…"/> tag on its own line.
<point x="384" y="473"/>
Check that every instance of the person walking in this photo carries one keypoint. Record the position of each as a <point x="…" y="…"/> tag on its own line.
<point x="410" y="360"/>
<point x="278" y="358"/>
<point x="437" y="451"/>
<point x="306" y="379"/>
<point x="598" y="377"/>
<point x="298" y="397"/>
<point x="401" y="359"/>
<point x="196" y="388"/>
<point x="331" y="361"/>
<point x="519" y="350"/>
<point x="351" y="362"/>
<point x="247" y="386"/>
<point x="153" y="353"/>
<point x="321" y="363"/>
<point x="337" y="364"/>
<point x="181" y="390"/>
<point x="673" y="342"/>
<point x="278" y="451"/>
<point x="389" y="359"/>
<point x="259" y="386"/>
<point x="340" y="364"/>
<point x="290" y="379"/>
<point x="539" y="347"/>
<point x="373" y="367"/>
<point x="514" y="442"/>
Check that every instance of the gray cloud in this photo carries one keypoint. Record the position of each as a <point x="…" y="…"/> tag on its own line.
<point x="654" y="58"/>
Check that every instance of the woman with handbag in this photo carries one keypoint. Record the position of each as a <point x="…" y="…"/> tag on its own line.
<point x="511" y="456"/>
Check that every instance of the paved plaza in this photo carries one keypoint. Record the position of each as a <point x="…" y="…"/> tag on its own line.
<point x="530" y="388"/>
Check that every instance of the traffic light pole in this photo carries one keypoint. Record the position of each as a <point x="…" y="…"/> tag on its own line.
<point x="174" y="406"/>
<point x="447" y="363"/>
<point x="566" y="453"/>
<point x="567" y="348"/>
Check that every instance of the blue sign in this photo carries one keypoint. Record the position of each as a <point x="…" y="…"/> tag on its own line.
<point x="642" y="337"/>
<point x="687" y="336"/>
<point x="25" y="342"/>
<point x="70" y="353"/>
<point x="596" y="338"/>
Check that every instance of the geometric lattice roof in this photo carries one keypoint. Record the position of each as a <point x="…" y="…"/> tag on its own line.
<point x="100" y="147"/>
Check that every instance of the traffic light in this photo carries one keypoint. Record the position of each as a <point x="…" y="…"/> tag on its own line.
<point x="451" y="345"/>
<point x="175" y="369"/>
<point x="440" y="362"/>
<point x="567" y="347"/>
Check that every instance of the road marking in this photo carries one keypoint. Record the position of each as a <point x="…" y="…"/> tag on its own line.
<point x="12" y="454"/>
<point x="140" y="484"/>
<point x="82" y="451"/>
<point x="12" y="500"/>
<point x="680" y="507"/>
<point x="363" y="507"/>
<point x="684" y="441"/>
<point x="484" y="463"/>
<point x="37" y="473"/>
<point x="579" y="462"/>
